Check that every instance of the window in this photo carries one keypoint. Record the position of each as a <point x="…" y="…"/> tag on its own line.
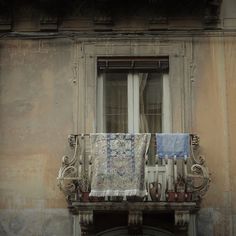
<point x="133" y="95"/>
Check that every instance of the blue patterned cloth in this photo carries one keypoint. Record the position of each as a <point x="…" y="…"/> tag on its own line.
<point x="118" y="164"/>
<point x="172" y="144"/>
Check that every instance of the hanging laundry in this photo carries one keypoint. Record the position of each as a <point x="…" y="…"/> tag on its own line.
<point x="172" y="144"/>
<point x="118" y="164"/>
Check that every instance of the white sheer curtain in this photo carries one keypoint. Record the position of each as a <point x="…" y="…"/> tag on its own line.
<point x="115" y="103"/>
<point x="113" y="110"/>
<point x="150" y="107"/>
<point x="150" y="102"/>
<point x="143" y="119"/>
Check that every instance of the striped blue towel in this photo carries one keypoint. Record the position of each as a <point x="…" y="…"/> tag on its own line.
<point x="172" y="144"/>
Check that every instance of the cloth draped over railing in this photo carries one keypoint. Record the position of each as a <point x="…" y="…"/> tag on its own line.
<point x="172" y="145"/>
<point x="118" y="164"/>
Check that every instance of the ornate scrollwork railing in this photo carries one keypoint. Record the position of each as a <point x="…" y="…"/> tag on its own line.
<point x="68" y="173"/>
<point x="74" y="177"/>
<point x="199" y="176"/>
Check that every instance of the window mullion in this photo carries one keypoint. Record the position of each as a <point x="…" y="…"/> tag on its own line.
<point x="166" y="110"/>
<point x="130" y="103"/>
<point x="133" y="103"/>
<point x="136" y="82"/>
<point x="101" y="118"/>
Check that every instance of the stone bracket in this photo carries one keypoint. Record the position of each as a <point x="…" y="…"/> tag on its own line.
<point x="86" y="221"/>
<point x="135" y="220"/>
<point x="182" y="218"/>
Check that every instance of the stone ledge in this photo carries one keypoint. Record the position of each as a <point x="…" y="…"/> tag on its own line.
<point x="141" y="206"/>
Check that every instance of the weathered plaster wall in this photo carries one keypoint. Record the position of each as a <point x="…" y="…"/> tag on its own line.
<point x="230" y="72"/>
<point x="37" y="113"/>
<point x="36" y="92"/>
<point x="214" y="98"/>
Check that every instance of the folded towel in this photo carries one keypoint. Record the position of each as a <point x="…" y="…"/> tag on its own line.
<point x="172" y="144"/>
<point x="118" y="164"/>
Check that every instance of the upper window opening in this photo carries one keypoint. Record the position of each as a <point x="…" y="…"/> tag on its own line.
<point x="132" y="95"/>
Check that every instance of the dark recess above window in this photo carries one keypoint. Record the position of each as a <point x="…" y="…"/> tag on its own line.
<point x="133" y="64"/>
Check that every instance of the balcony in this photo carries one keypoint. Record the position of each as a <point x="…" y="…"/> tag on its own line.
<point x="171" y="184"/>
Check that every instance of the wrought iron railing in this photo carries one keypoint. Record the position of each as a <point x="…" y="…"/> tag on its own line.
<point x="168" y="180"/>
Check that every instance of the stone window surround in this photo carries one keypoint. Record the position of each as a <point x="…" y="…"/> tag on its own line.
<point x="85" y="79"/>
<point x="181" y="69"/>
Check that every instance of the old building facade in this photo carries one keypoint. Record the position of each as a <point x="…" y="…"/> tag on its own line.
<point x="62" y="63"/>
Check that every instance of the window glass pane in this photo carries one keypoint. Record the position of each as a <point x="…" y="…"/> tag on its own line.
<point x="115" y="102"/>
<point x="151" y="103"/>
<point x="151" y="108"/>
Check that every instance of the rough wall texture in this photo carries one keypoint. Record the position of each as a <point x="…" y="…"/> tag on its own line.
<point x="214" y="120"/>
<point x="36" y="117"/>
<point x="230" y="71"/>
<point x="36" y="103"/>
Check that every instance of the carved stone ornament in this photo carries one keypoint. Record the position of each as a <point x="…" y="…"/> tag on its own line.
<point x="68" y="173"/>
<point x="182" y="218"/>
<point x="135" y="220"/>
<point x="199" y="176"/>
<point x="86" y="221"/>
<point x="73" y="178"/>
<point x="86" y="217"/>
